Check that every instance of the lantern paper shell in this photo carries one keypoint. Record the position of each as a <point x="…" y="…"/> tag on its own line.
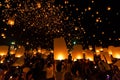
<point x="60" y="49"/>
<point x="20" y="52"/>
<point x="89" y="55"/>
<point x="106" y="57"/>
<point x="114" y="51"/>
<point x="12" y="51"/>
<point x="77" y="52"/>
<point x="19" y="61"/>
<point x="98" y="50"/>
<point x="3" y="50"/>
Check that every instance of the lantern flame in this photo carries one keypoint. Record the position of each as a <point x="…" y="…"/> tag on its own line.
<point x="60" y="57"/>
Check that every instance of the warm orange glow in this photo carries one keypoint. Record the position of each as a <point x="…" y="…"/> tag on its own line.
<point x="105" y="56"/>
<point x="1" y="61"/>
<point x="3" y="50"/>
<point x="60" y="49"/>
<point x="90" y="58"/>
<point x="117" y="56"/>
<point x="38" y="5"/>
<point x="78" y="57"/>
<point x="89" y="55"/>
<point x="89" y="8"/>
<point x="108" y="8"/>
<point x="11" y="22"/>
<point x="77" y="52"/>
<point x="18" y="56"/>
<point x="60" y="57"/>
<point x="12" y="52"/>
<point x="39" y="51"/>
<point x="101" y="49"/>
<point x="20" y="52"/>
<point x="90" y="48"/>
<point x="1" y="54"/>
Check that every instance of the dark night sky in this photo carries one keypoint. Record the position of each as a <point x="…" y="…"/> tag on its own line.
<point x="34" y="23"/>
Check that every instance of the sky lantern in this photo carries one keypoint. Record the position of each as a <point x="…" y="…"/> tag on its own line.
<point x="3" y="50"/>
<point x="98" y="50"/>
<point x="89" y="55"/>
<point x="11" y="22"/>
<point x="60" y="49"/>
<point x="105" y="49"/>
<point x="77" y="52"/>
<point x="12" y="51"/>
<point x="106" y="57"/>
<point x="114" y="51"/>
<point x="90" y="48"/>
<point x="19" y="62"/>
<point x="110" y="49"/>
<point x="20" y="52"/>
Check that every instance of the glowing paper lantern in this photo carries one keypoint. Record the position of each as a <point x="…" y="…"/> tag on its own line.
<point x="114" y="51"/>
<point x="60" y="49"/>
<point x="11" y="22"/>
<point x="110" y="49"/>
<point x="3" y="50"/>
<point x="26" y="69"/>
<point x="90" y="48"/>
<point x="19" y="61"/>
<point x="20" y="52"/>
<point x="89" y="55"/>
<point x="12" y="51"/>
<point x="77" y="52"/>
<point x="106" y="57"/>
<point x="105" y="50"/>
<point x="98" y="50"/>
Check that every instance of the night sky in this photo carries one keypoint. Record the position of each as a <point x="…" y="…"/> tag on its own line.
<point x="35" y="23"/>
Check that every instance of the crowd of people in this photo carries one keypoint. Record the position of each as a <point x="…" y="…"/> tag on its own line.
<point x="38" y="68"/>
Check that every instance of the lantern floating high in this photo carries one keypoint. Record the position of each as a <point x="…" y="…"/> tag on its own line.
<point x="20" y="52"/>
<point x="3" y="50"/>
<point x="77" y="52"/>
<point x="60" y="49"/>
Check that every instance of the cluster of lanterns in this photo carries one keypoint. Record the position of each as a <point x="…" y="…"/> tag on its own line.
<point x="61" y="52"/>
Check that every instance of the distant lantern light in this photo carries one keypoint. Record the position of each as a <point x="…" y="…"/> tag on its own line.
<point x="2" y="34"/>
<point x="12" y="52"/>
<point x="90" y="48"/>
<point x="119" y="39"/>
<point x="76" y="28"/>
<point x="77" y="9"/>
<point x="89" y="8"/>
<point x="97" y="12"/>
<point x="38" y="5"/>
<point x="4" y="37"/>
<point x="103" y="32"/>
<point x="66" y="2"/>
<point x="108" y="8"/>
<point x="92" y="1"/>
<point x="85" y="9"/>
<point x="101" y="49"/>
<point x="11" y="22"/>
<point x="97" y="20"/>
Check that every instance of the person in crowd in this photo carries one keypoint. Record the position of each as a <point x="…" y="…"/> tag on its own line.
<point x="68" y="76"/>
<point x="50" y="72"/>
<point x="77" y="76"/>
<point x="59" y="74"/>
